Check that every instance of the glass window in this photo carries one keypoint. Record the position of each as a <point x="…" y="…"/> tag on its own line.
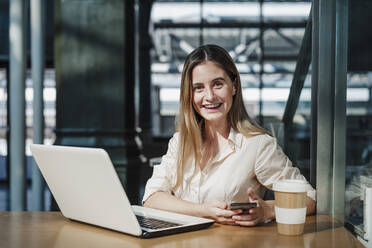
<point x="358" y="147"/>
<point x="359" y="120"/>
<point x="49" y="94"/>
<point x="3" y="140"/>
<point x="236" y="26"/>
<point x="49" y="135"/>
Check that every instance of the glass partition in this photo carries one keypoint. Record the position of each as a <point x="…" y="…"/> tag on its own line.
<point x="264" y="47"/>
<point x="358" y="186"/>
<point x="358" y="148"/>
<point x="3" y="139"/>
<point x="263" y="39"/>
<point x="49" y="135"/>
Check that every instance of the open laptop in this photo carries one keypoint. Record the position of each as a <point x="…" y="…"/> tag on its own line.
<point x="87" y="189"/>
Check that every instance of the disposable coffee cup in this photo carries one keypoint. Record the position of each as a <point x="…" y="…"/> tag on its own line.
<point x="290" y="206"/>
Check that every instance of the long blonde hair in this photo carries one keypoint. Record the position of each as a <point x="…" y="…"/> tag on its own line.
<point x="190" y="123"/>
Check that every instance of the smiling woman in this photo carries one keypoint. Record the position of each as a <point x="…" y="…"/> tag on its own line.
<point x="219" y="154"/>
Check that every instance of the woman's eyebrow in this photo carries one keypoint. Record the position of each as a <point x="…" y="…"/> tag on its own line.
<point x="213" y="80"/>
<point x="218" y="78"/>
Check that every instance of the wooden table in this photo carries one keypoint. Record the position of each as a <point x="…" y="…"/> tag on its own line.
<point x="51" y="229"/>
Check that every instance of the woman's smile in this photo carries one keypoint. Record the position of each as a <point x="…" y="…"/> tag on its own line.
<point x="212" y="107"/>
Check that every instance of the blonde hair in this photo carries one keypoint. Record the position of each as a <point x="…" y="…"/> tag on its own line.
<point x="190" y="123"/>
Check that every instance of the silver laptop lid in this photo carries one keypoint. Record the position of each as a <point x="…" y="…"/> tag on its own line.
<point x="86" y="187"/>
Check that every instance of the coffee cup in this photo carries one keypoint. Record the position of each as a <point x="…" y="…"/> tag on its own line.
<point x="290" y="206"/>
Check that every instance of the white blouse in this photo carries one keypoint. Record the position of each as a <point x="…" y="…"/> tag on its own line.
<point x="245" y="162"/>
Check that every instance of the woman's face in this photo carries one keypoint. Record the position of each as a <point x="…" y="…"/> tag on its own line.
<point x="213" y="92"/>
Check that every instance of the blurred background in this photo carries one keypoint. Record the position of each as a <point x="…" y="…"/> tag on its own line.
<point x="110" y="76"/>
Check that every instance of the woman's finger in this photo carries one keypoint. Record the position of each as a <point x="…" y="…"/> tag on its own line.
<point x="228" y="213"/>
<point x="246" y="217"/>
<point x="253" y="211"/>
<point x="252" y="195"/>
<point x="226" y="221"/>
<point x="248" y="223"/>
<point x="221" y="205"/>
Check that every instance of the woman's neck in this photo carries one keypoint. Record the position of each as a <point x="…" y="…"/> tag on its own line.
<point x="215" y="137"/>
<point x="216" y="130"/>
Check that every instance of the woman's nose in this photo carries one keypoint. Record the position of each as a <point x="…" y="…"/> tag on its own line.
<point x="209" y="94"/>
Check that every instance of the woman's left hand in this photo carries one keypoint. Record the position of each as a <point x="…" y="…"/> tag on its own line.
<point x="254" y="216"/>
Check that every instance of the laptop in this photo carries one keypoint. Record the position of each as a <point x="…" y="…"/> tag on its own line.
<point x="86" y="188"/>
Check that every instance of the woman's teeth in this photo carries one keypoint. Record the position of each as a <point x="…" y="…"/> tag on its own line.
<point x="211" y="106"/>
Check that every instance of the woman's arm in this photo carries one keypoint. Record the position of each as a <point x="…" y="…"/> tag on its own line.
<point x="217" y="211"/>
<point x="311" y="206"/>
<point x="273" y="165"/>
<point x="165" y="201"/>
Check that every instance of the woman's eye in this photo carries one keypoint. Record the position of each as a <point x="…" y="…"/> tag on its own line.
<point x="198" y="88"/>
<point x="218" y="84"/>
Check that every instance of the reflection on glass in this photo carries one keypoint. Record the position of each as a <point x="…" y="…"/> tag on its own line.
<point x="358" y="148"/>
<point x="49" y="135"/>
<point x="236" y="26"/>
<point x="3" y="147"/>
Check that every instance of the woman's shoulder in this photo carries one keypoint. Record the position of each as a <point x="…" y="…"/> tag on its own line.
<point x="257" y="136"/>
<point x="258" y="139"/>
<point x="174" y="141"/>
<point x="175" y="137"/>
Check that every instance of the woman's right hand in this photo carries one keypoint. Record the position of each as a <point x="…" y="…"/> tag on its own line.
<point x="218" y="211"/>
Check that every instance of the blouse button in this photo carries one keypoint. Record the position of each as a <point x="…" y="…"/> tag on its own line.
<point x="231" y="144"/>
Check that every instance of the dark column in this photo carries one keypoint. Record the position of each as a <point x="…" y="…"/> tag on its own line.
<point x="298" y="81"/>
<point x="94" y="64"/>
<point x="314" y="91"/>
<point x="144" y="70"/>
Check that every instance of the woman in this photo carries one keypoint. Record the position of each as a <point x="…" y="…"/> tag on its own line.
<point x="219" y="155"/>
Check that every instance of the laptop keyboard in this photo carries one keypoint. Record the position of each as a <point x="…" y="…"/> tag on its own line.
<point x="151" y="223"/>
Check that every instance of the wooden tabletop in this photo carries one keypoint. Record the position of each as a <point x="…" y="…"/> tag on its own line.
<point x="51" y="229"/>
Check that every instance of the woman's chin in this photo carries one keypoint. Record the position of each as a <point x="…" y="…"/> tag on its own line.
<point x="214" y="118"/>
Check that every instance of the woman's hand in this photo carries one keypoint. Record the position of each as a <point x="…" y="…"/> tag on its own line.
<point x="219" y="212"/>
<point x="257" y="215"/>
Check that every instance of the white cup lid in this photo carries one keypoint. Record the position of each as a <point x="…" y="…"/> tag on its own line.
<point x="291" y="185"/>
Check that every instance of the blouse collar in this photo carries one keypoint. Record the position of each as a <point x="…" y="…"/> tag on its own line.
<point x="234" y="141"/>
<point x="235" y="138"/>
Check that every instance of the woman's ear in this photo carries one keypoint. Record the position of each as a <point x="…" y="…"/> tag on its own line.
<point x="234" y="89"/>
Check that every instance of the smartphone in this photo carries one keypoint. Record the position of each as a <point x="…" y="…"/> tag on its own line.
<point x="242" y="205"/>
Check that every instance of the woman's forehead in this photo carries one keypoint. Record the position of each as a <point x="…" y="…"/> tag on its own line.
<point x="207" y="71"/>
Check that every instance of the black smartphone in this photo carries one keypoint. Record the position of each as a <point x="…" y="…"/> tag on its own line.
<point x="242" y="205"/>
